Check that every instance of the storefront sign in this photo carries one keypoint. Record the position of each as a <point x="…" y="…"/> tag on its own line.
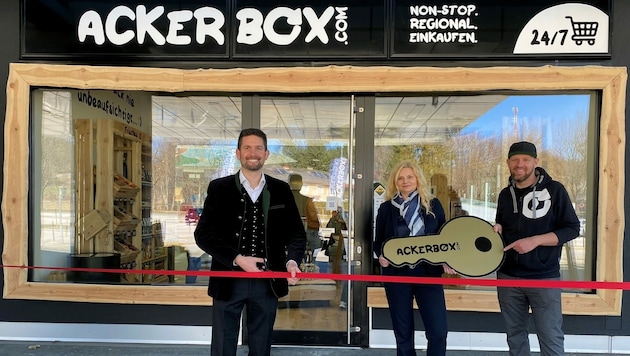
<point x="499" y="28"/>
<point x="307" y="29"/>
<point x="310" y="29"/>
<point x="565" y="28"/>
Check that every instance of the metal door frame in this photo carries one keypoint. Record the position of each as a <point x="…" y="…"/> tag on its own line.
<point x="361" y="163"/>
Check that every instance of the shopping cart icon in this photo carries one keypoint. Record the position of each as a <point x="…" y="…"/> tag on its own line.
<point x="583" y="31"/>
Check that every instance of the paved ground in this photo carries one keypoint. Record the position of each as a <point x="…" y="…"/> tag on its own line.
<point x="12" y="348"/>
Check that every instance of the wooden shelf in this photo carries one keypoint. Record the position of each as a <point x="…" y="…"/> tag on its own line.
<point x="154" y="254"/>
<point x="118" y="156"/>
<point x="109" y="160"/>
<point x="153" y="259"/>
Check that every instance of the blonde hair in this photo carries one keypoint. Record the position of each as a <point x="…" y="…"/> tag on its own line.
<point x="423" y="187"/>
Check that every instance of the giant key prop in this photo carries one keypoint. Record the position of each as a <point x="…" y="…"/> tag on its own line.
<point x="467" y="244"/>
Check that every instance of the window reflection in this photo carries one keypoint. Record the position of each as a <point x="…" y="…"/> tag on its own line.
<point x="55" y="159"/>
<point x="313" y="135"/>
<point x="194" y="139"/>
<point x="461" y="143"/>
<point x="189" y="141"/>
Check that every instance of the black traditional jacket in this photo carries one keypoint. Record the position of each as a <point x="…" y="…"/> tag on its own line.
<point x="219" y="230"/>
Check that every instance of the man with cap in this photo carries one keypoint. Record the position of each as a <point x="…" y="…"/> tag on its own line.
<point x="535" y="217"/>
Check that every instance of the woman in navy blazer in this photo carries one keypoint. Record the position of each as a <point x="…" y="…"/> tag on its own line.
<point x="410" y="210"/>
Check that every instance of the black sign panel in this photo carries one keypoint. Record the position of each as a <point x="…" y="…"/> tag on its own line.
<point x="499" y="28"/>
<point x="310" y="30"/>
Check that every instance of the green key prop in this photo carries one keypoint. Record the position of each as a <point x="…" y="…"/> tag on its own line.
<point x="467" y="244"/>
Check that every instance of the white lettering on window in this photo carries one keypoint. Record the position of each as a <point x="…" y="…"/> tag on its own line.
<point x="91" y="24"/>
<point x="175" y="25"/>
<point x="110" y="25"/>
<point x="317" y="24"/>
<point x="145" y="26"/>
<point x="341" y="25"/>
<point x="211" y="29"/>
<point x="443" y="24"/>
<point x="253" y="26"/>
<point x="209" y="22"/>
<point x="294" y="18"/>
<point x="250" y="26"/>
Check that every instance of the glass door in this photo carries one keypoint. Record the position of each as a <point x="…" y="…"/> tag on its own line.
<point x="311" y="144"/>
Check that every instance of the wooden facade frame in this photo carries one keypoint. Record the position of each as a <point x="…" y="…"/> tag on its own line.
<point x="611" y="81"/>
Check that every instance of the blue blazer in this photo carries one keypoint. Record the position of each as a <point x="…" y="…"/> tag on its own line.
<point x="386" y="223"/>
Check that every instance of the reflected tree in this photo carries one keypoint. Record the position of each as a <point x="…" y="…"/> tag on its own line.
<point x="56" y="163"/>
<point x="163" y="166"/>
<point x="315" y="157"/>
<point x="476" y="166"/>
<point x="567" y="163"/>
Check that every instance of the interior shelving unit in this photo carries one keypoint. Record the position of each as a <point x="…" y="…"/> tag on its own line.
<point x="114" y="180"/>
<point x="154" y="255"/>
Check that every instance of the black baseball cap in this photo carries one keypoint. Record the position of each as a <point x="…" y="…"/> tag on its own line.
<point x="522" y="148"/>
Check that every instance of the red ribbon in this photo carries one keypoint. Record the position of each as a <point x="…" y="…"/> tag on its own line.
<point x="490" y="282"/>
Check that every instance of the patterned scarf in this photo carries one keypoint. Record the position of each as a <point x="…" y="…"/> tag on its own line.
<point x="410" y="212"/>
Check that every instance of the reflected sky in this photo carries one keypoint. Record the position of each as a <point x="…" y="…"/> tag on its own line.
<point x="555" y="108"/>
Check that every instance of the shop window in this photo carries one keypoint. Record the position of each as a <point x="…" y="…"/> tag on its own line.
<point x="164" y="152"/>
<point x="461" y="143"/>
<point x="46" y="170"/>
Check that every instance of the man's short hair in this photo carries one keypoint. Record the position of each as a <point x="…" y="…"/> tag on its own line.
<point x="252" y="132"/>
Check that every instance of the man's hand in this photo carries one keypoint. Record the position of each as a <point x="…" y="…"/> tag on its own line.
<point x="498" y="228"/>
<point x="249" y="263"/>
<point x="293" y="269"/>
<point x="527" y="244"/>
<point x="523" y="245"/>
